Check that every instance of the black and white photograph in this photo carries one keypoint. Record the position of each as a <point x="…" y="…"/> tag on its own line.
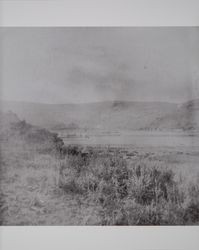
<point x="99" y="126"/>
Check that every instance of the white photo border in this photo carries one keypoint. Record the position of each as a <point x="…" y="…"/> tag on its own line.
<point x="99" y="13"/>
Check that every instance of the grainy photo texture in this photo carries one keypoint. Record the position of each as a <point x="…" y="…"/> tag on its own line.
<point x="99" y="126"/>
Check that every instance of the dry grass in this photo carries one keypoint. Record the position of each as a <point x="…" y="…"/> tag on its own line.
<point x="77" y="188"/>
<point x="29" y="189"/>
<point x="141" y="192"/>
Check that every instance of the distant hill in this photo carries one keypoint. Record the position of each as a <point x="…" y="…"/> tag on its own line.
<point x="185" y="117"/>
<point x="113" y="115"/>
<point x="13" y="129"/>
<point x="8" y="118"/>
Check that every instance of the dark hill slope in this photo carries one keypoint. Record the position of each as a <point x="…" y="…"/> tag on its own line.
<point x="12" y="129"/>
<point x="185" y="117"/>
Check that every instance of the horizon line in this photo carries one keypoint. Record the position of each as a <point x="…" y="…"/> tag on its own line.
<point x="96" y="102"/>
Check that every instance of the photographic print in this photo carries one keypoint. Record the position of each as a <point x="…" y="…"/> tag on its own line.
<point x="99" y="126"/>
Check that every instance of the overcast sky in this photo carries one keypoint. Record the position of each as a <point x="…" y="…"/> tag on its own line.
<point x="64" y="65"/>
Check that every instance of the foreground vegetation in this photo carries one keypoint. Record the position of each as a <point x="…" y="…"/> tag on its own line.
<point x="44" y="182"/>
<point x="138" y="193"/>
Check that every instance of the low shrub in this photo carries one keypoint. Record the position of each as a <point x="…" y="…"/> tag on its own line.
<point x="138" y="194"/>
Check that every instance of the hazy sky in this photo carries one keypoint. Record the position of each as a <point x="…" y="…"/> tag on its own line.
<point x="63" y="65"/>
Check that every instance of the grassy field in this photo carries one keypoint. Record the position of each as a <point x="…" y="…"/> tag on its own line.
<point x="65" y="185"/>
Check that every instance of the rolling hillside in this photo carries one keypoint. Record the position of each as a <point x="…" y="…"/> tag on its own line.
<point x="186" y="117"/>
<point x="117" y="115"/>
<point x="13" y="129"/>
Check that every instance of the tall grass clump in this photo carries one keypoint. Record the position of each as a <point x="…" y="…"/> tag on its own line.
<point x="138" y="194"/>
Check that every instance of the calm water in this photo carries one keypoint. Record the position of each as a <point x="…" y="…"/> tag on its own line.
<point x="137" y="138"/>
